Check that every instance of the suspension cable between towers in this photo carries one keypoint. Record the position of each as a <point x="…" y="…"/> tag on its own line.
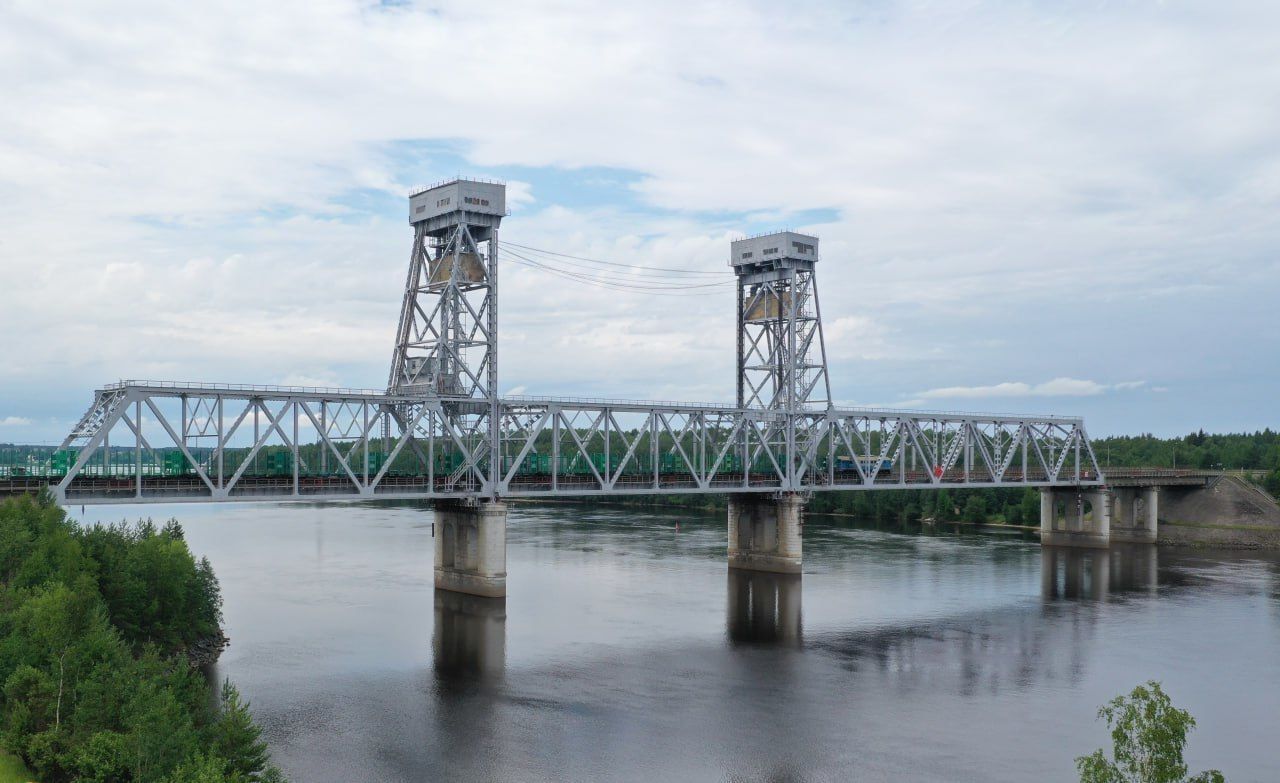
<point x="637" y="278"/>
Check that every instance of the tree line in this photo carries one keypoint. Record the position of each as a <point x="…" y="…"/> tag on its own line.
<point x="95" y="625"/>
<point x="1258" y="452"/>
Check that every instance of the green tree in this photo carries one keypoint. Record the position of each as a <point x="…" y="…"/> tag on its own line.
<point x="236" y="737"/>
<point x="200" y="768"/>
<point x="1013" y="514"/>
<point x="53" y="621"/>
<point x="1272" y="482"/>
<point x="943" y="508"/>
<point x="975" y="509"/>
<point x="1147" y="735"/>
<point x="94" y="682"/>
<point x="104" y="759"/>
<point x="1030" y="507"/>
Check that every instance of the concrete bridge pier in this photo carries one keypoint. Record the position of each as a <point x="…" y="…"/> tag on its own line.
<point x="471" y="547"/>
<point x="765" y="533"/>
<point x="1075" y="517"/>
<point x="1133" y="514"/>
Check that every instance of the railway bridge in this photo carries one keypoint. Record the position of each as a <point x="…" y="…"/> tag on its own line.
<point x="440" y="430"/>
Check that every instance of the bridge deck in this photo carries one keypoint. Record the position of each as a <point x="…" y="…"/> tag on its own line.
<point x="1160" y="477"/>
<point x="176" y="489"/>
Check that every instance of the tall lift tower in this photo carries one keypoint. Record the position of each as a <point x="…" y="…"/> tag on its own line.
<point x="446" y="351"/>
<point x="447" y="343"/>
<point x="782" y="360"/>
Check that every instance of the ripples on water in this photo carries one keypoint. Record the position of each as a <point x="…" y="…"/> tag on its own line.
<point x="627" y="650"/>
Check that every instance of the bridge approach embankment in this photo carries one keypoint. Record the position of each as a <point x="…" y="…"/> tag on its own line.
<point x="1158" y="505"/>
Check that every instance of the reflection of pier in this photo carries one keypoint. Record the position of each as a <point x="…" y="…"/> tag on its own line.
<point x="1013" y="647"/>
<point x="764" y="607"/>
<point x="1095" y="574"/>
<point x="470" y="638"/>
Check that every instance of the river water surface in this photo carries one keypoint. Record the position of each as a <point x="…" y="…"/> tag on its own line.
<point x="627" y="651"/>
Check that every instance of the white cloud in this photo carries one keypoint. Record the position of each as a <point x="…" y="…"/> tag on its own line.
<point x="15" y="421"/>
<point x="519" y="195"/>
<point x="1002" y="175"/>
<point x="856" y="337"/>
<point x="896" y="405"/>
<point x="321" y="380"/>
<point x="1058" y="387"/>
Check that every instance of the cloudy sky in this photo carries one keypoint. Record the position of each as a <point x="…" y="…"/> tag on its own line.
<point x="1062" y="207"/>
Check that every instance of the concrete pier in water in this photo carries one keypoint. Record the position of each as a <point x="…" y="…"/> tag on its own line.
<point x="1075" y="517"/>
<point x="1133" y="514"/>
<point x="471" y="548"/>
<point x="765" y="533"/>
<point x="1099" y="517"/>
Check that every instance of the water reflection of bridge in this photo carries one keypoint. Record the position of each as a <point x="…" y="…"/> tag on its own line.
<point x="1069" y="572"/>
<point x="765" y="609"/>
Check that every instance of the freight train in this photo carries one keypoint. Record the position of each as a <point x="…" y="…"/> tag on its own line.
<point x="280" y="463"/>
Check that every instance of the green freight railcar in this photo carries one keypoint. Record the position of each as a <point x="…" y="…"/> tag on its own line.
<point x="276" y="463"/>
<point x="376" y="460"/>
<point x="175" y="464"/>
<point x="577" y="465"/>
<point x="62" y="461"/>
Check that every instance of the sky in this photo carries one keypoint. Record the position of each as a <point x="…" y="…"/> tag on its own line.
<point x="1044" y="207"/>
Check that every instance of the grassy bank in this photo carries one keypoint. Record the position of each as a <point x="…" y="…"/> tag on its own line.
<point x="12" y="770"/>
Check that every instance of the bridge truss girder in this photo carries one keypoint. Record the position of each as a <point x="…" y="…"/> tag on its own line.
<point x="157" y="442"/>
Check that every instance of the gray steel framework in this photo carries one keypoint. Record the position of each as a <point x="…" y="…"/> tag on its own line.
<point x="620" y="447"/>
<point x="440" y="430"/>
<point x="782" y="357"/>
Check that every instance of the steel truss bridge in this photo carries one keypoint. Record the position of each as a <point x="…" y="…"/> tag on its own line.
<point x="440" y="430"/>
<point x="300" y="443"/>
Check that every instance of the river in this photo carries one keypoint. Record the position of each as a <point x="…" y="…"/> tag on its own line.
<point x="627" y="651"/>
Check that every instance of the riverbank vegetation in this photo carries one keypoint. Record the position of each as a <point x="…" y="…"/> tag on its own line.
<point x="1255" y="452"/>
<point x="95" y="679"/>
<point x="1148" y="735"/>
<point x="12" y="770"/>
<point x="1015" y="506"/>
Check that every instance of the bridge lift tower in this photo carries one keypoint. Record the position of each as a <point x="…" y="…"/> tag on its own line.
<point x="446" y="347"/>
<point x="782" y="359"/>
<point x="447" y="343"/>
<point x="782" y="366"/>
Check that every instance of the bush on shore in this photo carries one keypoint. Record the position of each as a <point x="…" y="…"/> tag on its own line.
<point x="95" y="684"/>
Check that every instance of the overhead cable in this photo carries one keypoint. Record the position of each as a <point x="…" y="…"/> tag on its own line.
<point x="638" y="268"/>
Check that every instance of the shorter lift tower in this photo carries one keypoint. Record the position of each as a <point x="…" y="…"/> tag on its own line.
<point x="782" y="360"/>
